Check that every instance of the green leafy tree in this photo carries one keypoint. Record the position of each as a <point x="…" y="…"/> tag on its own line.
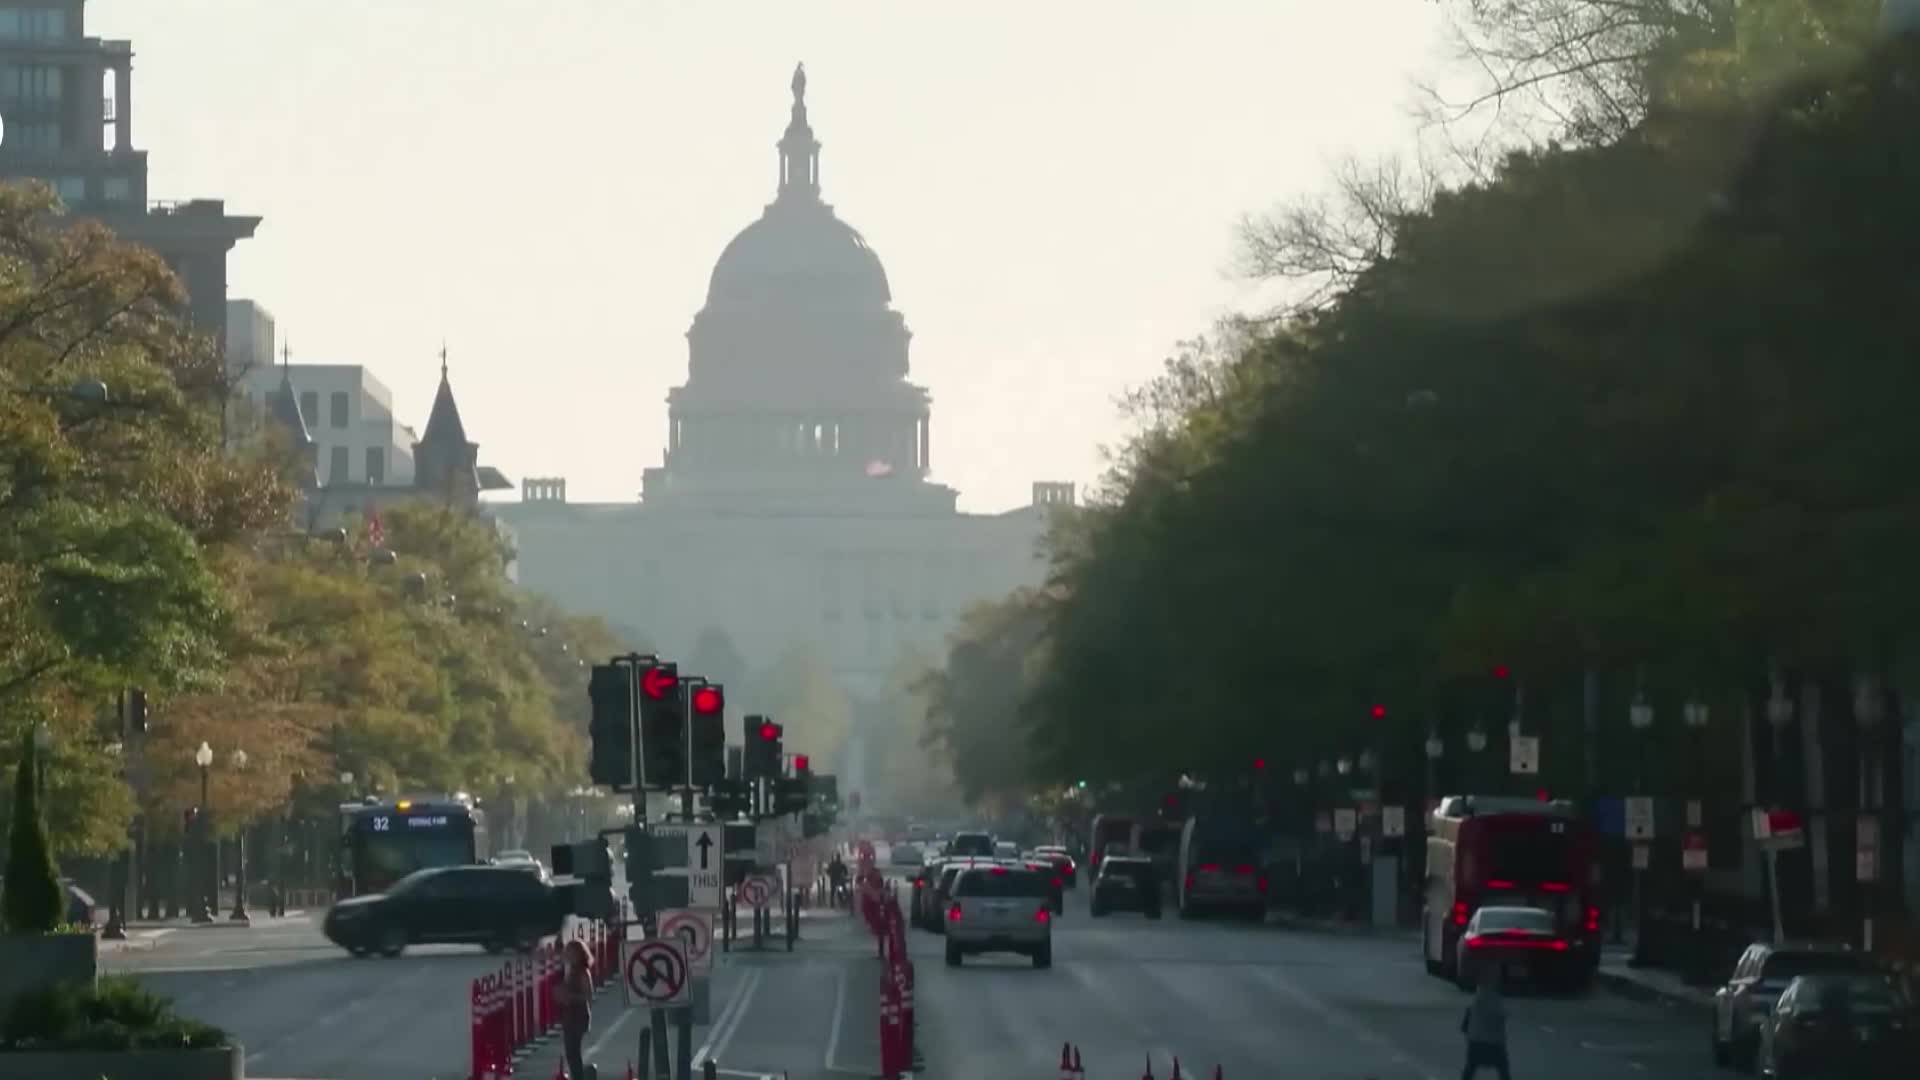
<point x="31" y="904"/>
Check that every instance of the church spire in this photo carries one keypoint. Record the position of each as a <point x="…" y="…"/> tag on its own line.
<point x="799" y="150"/>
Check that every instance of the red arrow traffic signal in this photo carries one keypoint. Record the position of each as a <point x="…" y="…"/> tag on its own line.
<point x="658" y="682"/>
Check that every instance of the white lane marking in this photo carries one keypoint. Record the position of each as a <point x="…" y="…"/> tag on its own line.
<point x="726" y="1013"/>
<point x="839" y="1013"/>
<point x="717" y="1041"/>
<point x="1398" y="1054"/>
<point x="618" y="1022"/>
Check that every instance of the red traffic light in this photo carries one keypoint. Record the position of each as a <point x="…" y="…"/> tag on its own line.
<point x="1172" y="801"/>
<point x="658" y="682"/>
<point x="1259" y="764"/>
<point x="1500" y="671"/>
<point x="801" y="763"/>
<point x="708" y="700"/>
<point x="769" y="732"/>
<point x="1379" y="712"/>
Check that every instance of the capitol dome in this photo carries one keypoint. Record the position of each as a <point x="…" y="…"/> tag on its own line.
<point x="799" y="252"/>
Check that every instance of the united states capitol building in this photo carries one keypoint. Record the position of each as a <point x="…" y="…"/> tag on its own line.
<point x="794" y="506"/>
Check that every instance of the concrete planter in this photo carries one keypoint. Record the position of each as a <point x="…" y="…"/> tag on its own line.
<point x="30" y="962"/>
<point x="223" y="1063"/>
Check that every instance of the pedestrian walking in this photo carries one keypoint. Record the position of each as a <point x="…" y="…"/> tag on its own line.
<point x="1485" y="1027"/>
<point x="574" y="995"/>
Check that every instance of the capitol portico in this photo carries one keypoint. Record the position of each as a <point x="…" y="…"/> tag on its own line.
<point x="794" y="504"/>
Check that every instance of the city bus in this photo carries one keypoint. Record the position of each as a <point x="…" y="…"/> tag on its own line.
<point x="382" y="841"/>
<point x="1510" y="852"/>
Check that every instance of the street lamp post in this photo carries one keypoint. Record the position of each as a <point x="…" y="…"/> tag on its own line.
<point x="42" y="750"/>
<point x="1640" y="718"/>
<point x="239" y="914"/>
<point x="206" y="895"/>
<point x="117" y="875"/>
<point x="1694" y="715"/>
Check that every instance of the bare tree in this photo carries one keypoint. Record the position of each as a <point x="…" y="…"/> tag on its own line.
<point x="1319" y="244"/>
<point x="1588" y="68"/>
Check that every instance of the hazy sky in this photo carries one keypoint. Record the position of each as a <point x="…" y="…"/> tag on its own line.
<point x="1052" y="185"/>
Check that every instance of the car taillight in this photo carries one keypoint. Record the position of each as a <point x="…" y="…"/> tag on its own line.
<point x="1189" y="881"/>
<point x="1211" y="867"/>
<point x="1243" y="871"/>
<point x="918" y="884"/>
<point x="1499" y="884"/>
<point x="1059" y="883"/>
<point x="1260" y="883"/>
<point x="1559" y="946"/>
<point x="1043" y="915"/>
<point x="953" y="913"/>
<point x="1556" y="886"/>
<point x="1459" y="914"/>
<point x="1593" y="920"/>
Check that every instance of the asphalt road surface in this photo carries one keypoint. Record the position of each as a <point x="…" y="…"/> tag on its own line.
<point x="304" y="1010"/>
<point x="1262" y="1003"/>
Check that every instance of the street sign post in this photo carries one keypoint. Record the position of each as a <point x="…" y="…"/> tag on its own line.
<point x="1523" y="754"/>
<point x="1639" y="817"/>
<point x="1693" y="856"/>
<point x="693" y="930"/>
<point x="705" y="853"/>
<point x="657" y="973"/>
<point x="1393" y="821"/>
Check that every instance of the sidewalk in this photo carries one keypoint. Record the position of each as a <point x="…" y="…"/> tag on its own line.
<point x="1649" y="984"/>
<point x="258" y="920"/>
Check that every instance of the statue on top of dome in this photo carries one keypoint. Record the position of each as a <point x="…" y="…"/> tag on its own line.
<point x="799" y="84"/>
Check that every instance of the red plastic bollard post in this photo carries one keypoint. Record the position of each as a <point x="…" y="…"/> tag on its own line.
<point x="543" y="988"/>
<point x="1176" y="1069"/>
<point x="522" y="1024"/>
<point x="477" y="1048"/>
<point x="1218" y="1073"/>
<point x="1079" y="1070"/>
<point x="1148" y="1075"/>
<point x="1066" y="1061"/>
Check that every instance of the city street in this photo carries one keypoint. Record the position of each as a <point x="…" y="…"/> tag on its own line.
<point x="1264" y="1003"/>
<point x="304" y="1010"/>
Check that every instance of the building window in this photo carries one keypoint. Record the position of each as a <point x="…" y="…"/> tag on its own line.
<point x="119" y="189"/>
<point x="72" y="189"/>
<point x="30" y="83"/>
<point x="42" y="138"/>
<point x="376" y="465"/>
<point x="310" y="408"/>
<point x="33" y="24"/>
<point x="339" y="404"/>
<point x="337" y="466"/>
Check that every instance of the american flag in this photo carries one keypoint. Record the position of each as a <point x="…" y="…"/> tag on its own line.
<point x="879" y="468"/>
<point x="376" y="533"/>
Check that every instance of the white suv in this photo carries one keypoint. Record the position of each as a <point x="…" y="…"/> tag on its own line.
<point x="1001" y="909"/>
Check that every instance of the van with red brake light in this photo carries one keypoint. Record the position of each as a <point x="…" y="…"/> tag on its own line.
<point x="1000" y="909"/>
<point x="1220" y="868"/>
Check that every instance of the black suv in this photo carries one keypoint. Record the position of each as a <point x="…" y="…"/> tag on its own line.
<point x="494" y="906"/>
<point x="1126" y="883"/>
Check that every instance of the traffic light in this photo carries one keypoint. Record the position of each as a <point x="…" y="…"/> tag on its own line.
<point x="764" y="748"/>
<point x="1379" y="712"/>
<point x="709" y="735"/>
<point x="789" y="795"/>
<point x="1259" y="764"/>
<point x="1501" y="672"/>
<point x="610" y="728"/>
<point x="730" y="799"/>
<point x="663" y="727"/>
<point x="591" y="861"/>
<point x="803" y="766"/>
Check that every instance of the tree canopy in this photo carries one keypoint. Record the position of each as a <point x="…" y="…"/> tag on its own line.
<point x="137" y="552"/>
<point x="1633" y="405"/>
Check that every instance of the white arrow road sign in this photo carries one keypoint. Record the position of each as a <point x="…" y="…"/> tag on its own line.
<point x="704" y="857"/>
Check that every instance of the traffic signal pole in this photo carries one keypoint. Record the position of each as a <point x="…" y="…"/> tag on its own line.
<point x="653" y="1036"/>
